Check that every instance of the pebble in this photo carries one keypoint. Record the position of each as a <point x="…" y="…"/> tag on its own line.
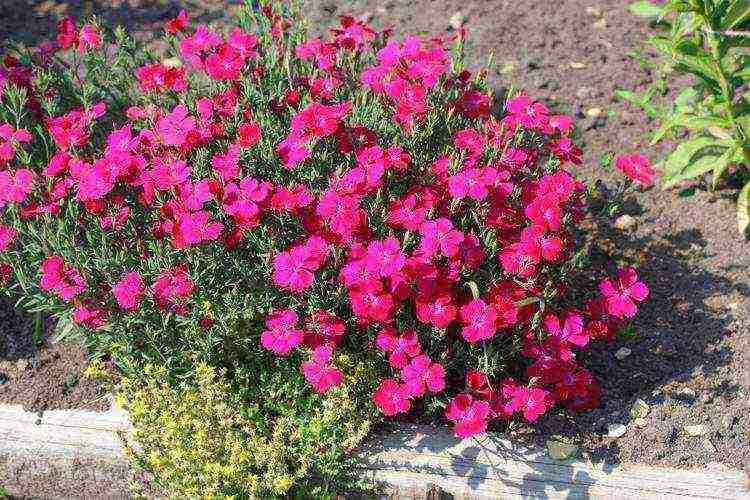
<point x="21" y="364"/>
<point x="457" y="20"/>
<point x="560" y="449"/>
<point x="577" y="65"/>
<point x="640" y="422"/>
<point x="624" y="222"/>
<point x="616" y="430"/>
<point x="583" y="92"/>
<point x="640" y="409"/>
<point x="708" y="445"/>
<point x="695" y="430"/>
<point x="508" y="67"/>
<point x="687" y="394"/>
<point x="594" y="112"/>
<point x="622" y="353"/>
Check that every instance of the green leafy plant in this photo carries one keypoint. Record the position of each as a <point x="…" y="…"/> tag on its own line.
<point x="709" y="40"/>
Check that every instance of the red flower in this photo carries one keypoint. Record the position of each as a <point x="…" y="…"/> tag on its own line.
<point x="468" y="414"/>
<point x="637" y="168"/>
<point x="422" y="375"/>
<point x="392" y="398"/>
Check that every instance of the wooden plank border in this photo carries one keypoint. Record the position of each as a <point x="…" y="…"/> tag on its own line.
<point x="409" y="461"/>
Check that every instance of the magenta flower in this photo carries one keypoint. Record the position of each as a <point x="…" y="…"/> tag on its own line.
<point x="391" y="398"/>
<point x="295" y="268"/>
<point x="172" y="288"/>
<point x="422" y="375"/>
<point x="637" y="168"/>
<point x="128" y="291"/>
<point x="15" y="186"/>
<point x="282" y="334"/>
<point x="468" y="414"/>
<point x="66" y="282"/>
<point x="532" y="402"/>
<point x="622" y="294"/>
<point x="319" y="371"/>
<point x="478" y="319"/>
<point x="7" y="236"/>
<point x="570" y="330"/>
<point x="399" y="346"/>
<point x="439" y="235"/>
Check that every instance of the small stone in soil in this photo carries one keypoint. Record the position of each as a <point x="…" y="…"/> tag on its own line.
<point x="594" y="112"/>
<point x="686" y="395"/>
<point x="577" y="65"/>
<point x="622" y="353"/>
<point x="560" y="449"/>
<point x="708" y="445"/>
<point x="695" y="430"/>
<point x="624" y="222"/>
<point x="616" y="430"/>
<point x="640" y="409"/>
<point x="640" y="422"/>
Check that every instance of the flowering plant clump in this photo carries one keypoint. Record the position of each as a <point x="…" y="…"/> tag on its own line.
<point x="258" y="195"/>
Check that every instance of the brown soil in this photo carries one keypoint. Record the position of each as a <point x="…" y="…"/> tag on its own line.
<point x="693" y="330"/>
<point x="45" y="377"/>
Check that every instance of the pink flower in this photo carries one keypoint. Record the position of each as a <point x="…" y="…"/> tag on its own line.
<point x="438" y="311"/>
<point x="91" y="317"/>
<point x="89" y="38"/>
<point x="294" y="269"/>
<point x="526" y="112"/>
<point x="422" y="375"/>
<point x="399" y="346"/>
<point x="172" y="288"/>
<point x="128" y="291"/>
<point x="532" y="402"/>
<point x="622" y="294"/>
<point x="570" y="330"/>
<point x="175" y="127"/>
<point x="479" y="321"/>
<point x="391" y="398"/>
<point x="281" y="335"/>
<point x="439" y="235"/>
<point x="637" y="168"/>
<point x="228" y="165"/>
<point x="15" y="186"/>
<point x="468" y="414"/>
<point x="319" y="371"/>
<point x="9" y="138"/>
<point x="64" y="281"/>
<point x="7" y="236"/>
<point x="158" y="77"/>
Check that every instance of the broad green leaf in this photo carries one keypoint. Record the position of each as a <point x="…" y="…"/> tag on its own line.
<point x="701" y="66"/>
<point x="730" y="157"/>
<point x="695" y="169"/>
<point x="680" y="157"/>
<point x="628" y="96"/>
<point x="743" y="210"/>
<point x="644" y="8"/>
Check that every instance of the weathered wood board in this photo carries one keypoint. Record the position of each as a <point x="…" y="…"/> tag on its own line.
<point x="408" y="461"/>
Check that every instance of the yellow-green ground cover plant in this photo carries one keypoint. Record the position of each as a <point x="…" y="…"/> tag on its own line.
<point x="281" y="240"/>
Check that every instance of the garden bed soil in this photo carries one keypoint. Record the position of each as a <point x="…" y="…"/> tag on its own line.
<point x="689" y="363"/>
<point x="47" y="376"/>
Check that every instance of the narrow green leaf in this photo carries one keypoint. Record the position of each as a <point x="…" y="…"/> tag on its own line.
<point x="738" y="15"/>
<point x="743" y="210"/>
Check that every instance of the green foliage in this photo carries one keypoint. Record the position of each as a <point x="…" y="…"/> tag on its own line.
<point x="196" y="438"/>
<point x="711" y="119"/>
